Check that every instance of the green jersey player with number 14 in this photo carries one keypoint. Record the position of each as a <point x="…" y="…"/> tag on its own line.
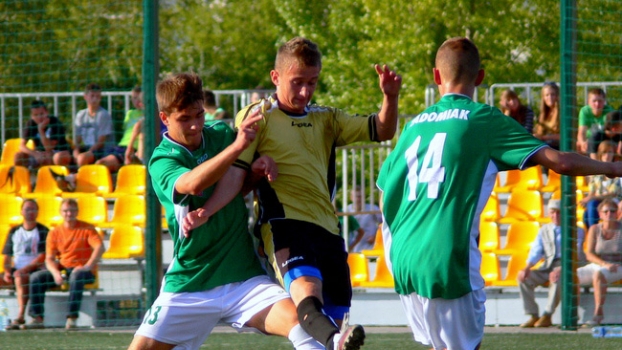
<point x="435" y="185"/>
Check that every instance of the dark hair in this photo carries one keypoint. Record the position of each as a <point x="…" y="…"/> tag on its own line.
<point x="92" y="87"/>
<point x="597" y="91"/>
<point x="209" y="99"/>
<point x="137" y="88"/>
<point x="613" y="118"/>
<point x="178" y="91"/>
<point x="26" y="201"/>
<point x="37" y="104"/>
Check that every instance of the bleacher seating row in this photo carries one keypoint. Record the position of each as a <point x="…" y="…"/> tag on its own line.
<point x="533" y="179"/>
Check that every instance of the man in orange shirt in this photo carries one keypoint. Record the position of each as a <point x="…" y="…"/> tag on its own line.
<point x="75" y="247"/>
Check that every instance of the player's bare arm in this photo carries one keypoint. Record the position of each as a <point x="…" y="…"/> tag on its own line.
<point x="212" y="170"/>
<point x="390" y="84"/>
<point x="574" y="164"/>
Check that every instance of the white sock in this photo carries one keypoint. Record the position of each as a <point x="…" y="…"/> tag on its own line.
<point x="302" y="340"/>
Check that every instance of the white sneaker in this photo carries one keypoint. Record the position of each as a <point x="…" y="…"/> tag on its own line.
<point x="349" y="337"/>
<point x="71" y="323"/>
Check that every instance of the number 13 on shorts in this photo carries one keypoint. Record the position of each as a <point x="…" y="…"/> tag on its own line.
<point x="432" y="172"/>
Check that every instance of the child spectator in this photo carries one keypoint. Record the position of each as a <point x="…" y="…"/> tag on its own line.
<point x="592" y="121"/>
<point x="48" y="134"/>
<point x="124" y="152"/>
<point x="212" y="112"/>
<point x="93" y="129"/>
<point x="547" y="128"/>
<point x="512" y="107"/>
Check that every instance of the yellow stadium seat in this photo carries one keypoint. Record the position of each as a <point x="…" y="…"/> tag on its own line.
<point x="519" y="238"/>
<point x="523" y="205"/>
<point x="378" y="248"/>
<point x="583" y="183"/>
<point x="488" y="236"/>
<point x="359" y="271"/>
<point x="10" y="209"/>
<point x="49" y="211"/>
<point x="491" y="211"/>
<point x="553" y="182"/>
<point x="128" y="210"/>
<point x="383" y="278"/>
<point x="126" y="242"/>
<point x="4" y="233"/>
<point x="490" y="268"/>
<point x="512" y="178"/>
<point x="10" y="148"/>
<point x="46" y="184"/>
<point x="92" y="209"/>
<point x="91" y="179"/>
<point x="14" y="179"/>
<point x="131" y="179"/>
<point x="516" y="263"/>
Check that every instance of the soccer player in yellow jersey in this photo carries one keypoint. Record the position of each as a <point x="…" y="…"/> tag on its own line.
<point x="297" y="221"/>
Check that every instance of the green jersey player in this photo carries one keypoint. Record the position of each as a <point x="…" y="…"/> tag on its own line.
<point x="215" y="275"/>
<point x="435" y="185"/>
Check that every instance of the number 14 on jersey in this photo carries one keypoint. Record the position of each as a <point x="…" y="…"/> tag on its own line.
<point x="432" y="172"/>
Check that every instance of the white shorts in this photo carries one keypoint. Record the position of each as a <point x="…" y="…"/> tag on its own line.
<point x="454" y="324"/>
<point x="187" y="319"/>
<point x="586" y="272"/>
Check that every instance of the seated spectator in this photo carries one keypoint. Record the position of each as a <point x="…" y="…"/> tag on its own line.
<point x="25" y="248"/>
<point x="369" y="217"/>
<point x="592" y="121"/>
<point x="93" y="129"/>
<point x="73" y="250"/>
<point x="604" y="254"/>
<point x="547" y="246"/>
<point x="612" y="132"/>
<point x="212" y="112"/>
<point x="48" y="134"/>
<point x="601" y="186"/>
<point x="125" y="151"/>
<point x="513" y="107"/>
<point x="355" y="231"/>
<point x="547" y="127"/>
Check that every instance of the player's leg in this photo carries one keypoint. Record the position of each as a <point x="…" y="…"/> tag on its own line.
<point x="295" y="259"/>
<point x="184" y="319"/>
<point x="447" y="323"/>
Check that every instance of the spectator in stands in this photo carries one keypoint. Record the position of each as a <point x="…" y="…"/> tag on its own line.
<point x="94" y="134"/>
<point x="25" y="248"/>
<point x="547" y="127"/>
<point x="48" y="134"/>
<point x="355" y="232"/>
<point x="256" y="96"/>
<point x="604" y="253"/>
<point x="215" y="275"/>
<point x="592" y="121"/>
<point x="612" y="132"/>
<point x="212" y="111"/>
<point x="513" y="107"/>
<point x="125" y="152"/>
<point x="601" y="186"/>
<point x="73" y="250"/>
<point x="547" y="247"/>
<point x="369" y="217"/>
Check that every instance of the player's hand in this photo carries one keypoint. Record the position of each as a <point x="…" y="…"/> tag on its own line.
<point x="390" y="82"/>
<point x="193" y="220"/>
<point x="265" y="166"/>
<point x="247" y="131"/>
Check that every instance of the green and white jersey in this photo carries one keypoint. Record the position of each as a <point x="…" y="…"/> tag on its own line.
<point x="218" y="252"/>
<point x="435" y="184"/>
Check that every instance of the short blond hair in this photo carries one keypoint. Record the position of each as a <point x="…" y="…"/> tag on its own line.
<point x="300" y="50"/>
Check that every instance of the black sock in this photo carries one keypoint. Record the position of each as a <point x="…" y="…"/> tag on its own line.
<point x="315" y="322"/>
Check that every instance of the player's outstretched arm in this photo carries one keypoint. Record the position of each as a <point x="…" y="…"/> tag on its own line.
<point x="574" y="164"/>
<point x="390" y="84"/>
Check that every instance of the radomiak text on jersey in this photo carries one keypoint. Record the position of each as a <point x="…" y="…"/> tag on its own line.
<point x="462" y="114"/>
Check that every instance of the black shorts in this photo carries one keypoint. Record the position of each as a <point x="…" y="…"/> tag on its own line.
<point x="305" y="249"/>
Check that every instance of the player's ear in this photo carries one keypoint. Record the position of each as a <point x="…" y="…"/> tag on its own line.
<point x="274" y="76"/>
<point x="437" y="76"/>
<point x="164" y="118"/>
<point x="480" y="77"/>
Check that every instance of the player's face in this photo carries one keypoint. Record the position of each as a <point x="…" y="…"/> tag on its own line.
<point x="295" y="86"/>
<point x="597" y="103"/>
<point x="38" y="114"/>
<point x="185" y="126"/>
<point x="550" y="96"/>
